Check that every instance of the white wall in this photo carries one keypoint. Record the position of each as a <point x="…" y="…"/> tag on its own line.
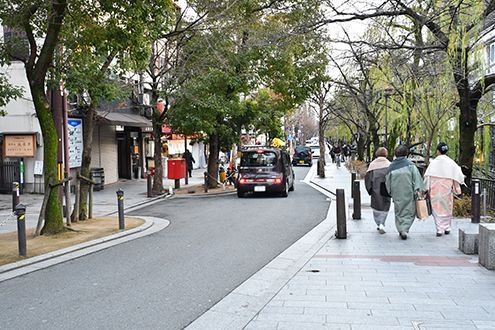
<point x="21" y="117"/>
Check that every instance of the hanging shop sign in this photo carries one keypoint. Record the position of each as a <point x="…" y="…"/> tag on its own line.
<point x="75" y="132"/>
<point x="19" y="145"/>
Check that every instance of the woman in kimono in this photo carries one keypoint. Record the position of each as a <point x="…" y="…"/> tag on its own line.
<point x="443" y="178"/>
<point x="374" y="179"/>
<point x="403" y="182"/>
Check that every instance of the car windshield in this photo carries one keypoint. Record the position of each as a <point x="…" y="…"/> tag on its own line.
<point x="301" y="150"/>
<point x="315" y="147"/>
<point x="259" y="159"/>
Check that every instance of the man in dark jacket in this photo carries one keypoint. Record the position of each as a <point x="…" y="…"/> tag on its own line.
<point x="189" y="162"/>
<point x="375" y="185"/>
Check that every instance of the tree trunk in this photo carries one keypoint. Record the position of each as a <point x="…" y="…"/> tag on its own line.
<point x="360" y="145"/>
<point x="214" y="150"/>
<point x="368" y="150"/>
<point x="373" y="131"/>
<point x="158" y="176"/>
<point x="88" y="128"/>
<point x="321" y="141"/>
<point x="53" y="215"/>
<point x="428" y="146"/>
<point x="467" y="129"/>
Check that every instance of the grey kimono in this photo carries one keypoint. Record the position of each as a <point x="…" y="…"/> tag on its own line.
<point x="374" y="179"/>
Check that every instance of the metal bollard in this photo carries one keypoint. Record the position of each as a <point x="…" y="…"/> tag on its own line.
<point x="20" y="211"/>
<point x="205" y="174"/>
<point x="356" y="215"/>
<point x="148" y="184"/>
<point x="341" y="220"/>
<point x="475" y="200"/>
<point x="120" y="202"/>
<point x="15" y="195"/>
<point x="353" y="178"/>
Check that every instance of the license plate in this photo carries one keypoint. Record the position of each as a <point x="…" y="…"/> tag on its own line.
<point x="259" y="188"/>
<point x="301" y="162"/>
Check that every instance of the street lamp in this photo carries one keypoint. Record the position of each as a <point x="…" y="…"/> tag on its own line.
<point x="387" y="92"/>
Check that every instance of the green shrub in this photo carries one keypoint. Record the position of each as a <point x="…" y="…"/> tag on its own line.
<point x="462" y="207"/>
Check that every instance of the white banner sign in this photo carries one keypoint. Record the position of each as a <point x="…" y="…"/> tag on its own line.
<point x="75" y="131"/>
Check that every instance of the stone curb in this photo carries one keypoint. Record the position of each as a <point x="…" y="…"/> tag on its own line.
<point x="141" y="204"/>
<point x="226" y="193"/>
<point x="238" y="308"/>
<point x="151" y="225"/>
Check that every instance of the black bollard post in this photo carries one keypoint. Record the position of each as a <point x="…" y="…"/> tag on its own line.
<point x="353" y="178"/>
<point x="20" y="211"/>
<point x="356" y="215"/>
<point x="148" y="184"/>
<point x="15" y="195"/>
<point x="341" y="220"/>
<point x="205" y="174"/>
<point x="120" y="201"/>
<point x="475" y="200"/>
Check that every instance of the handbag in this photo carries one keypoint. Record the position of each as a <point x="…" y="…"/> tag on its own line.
<point x="383" y="190"/>
<point x="428" y="203"/>
<point x="421" y="208"/>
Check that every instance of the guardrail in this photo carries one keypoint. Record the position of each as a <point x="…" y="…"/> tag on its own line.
<point x="488" y="192"/>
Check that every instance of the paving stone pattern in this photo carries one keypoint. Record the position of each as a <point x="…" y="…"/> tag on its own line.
<point x="373" y="281"/>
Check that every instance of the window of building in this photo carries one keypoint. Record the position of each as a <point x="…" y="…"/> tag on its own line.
<point x="491" y="53"/>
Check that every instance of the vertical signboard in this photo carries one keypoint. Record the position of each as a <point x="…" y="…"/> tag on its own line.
<point x="75" y="132"/>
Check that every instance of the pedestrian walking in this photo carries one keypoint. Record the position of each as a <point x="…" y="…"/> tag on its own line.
<point x="403" y="181"/>
<point x="374" y="182"/>
<point x="337" y="151"/>
<point x="443" y="179"/>
<point x="344" y="151"/>
<point x="189" y="162"/>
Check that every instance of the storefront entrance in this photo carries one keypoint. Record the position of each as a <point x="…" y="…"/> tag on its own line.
<point x="130" y="153"/>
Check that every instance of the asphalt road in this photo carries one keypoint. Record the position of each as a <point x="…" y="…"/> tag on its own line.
<point x="170" y="278"/>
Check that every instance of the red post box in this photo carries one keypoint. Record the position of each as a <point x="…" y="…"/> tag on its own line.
<point x="176" y="170"/>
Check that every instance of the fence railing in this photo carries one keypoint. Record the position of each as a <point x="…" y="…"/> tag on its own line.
<point x="9" y="173"/>
<point x="488" y="186"/>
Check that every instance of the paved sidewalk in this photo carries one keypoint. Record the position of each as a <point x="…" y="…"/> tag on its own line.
<point x="373" y="281"/>
<point x="104" y="201"/>
<point x="340" y="178"/>
<point x="368" y="281"/>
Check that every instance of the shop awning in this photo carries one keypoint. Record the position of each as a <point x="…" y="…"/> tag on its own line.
<point x="123" y="119"/>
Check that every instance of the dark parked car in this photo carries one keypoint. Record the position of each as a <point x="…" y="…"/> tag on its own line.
<point x="302" y="156"/>
<point x="265" y="170"/>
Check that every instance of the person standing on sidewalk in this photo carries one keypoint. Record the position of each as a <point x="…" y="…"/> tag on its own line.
<point x="403" y="181"/>
<point x="443" y="179"/>
<point x="189" y="162"/>
<point x="374" y="180"/>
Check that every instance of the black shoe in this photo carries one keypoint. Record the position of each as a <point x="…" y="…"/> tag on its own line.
<point x="447" y="232"/>
<point x="439" y="234"/>
<point x="403" y="236"/>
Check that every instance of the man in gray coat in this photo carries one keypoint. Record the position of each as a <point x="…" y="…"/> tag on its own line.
<point x="375" y="185"/>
